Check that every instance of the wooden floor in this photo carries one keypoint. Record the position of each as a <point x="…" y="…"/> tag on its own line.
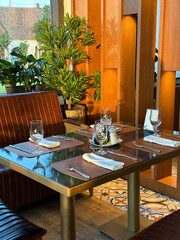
<point x="90" y="214"/>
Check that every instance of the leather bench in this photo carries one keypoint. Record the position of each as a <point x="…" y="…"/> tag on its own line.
<point x="15" y="227"/>
<point x="17" y="110"/>
<point x="167" y="228"/>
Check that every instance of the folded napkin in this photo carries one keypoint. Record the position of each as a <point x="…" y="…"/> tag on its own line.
<point x="102" y="162"/>
<point x="162" y="141"/>
<point x="47" y="143"/>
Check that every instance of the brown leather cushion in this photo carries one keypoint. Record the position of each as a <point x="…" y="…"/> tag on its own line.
<point x="167" y="228"/>
<point x="17" y="110"/>
<point x="17" y="228"/>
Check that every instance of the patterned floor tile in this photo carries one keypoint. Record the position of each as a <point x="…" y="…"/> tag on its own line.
<point x="152" y="205"/>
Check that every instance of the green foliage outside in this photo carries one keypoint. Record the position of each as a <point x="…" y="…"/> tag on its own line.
<point x="23" y="47"/>
<point x="26" y="70"/>
<point x="46" y="17"/>
<point x="4" y="42"/>
<point x="63" y="49"/>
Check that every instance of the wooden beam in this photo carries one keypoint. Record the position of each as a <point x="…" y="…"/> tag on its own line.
<point x="171" y="36"/>
<point x="145" y="58"/>
<point x="127" y="69"/>
<point x="167" y="99"/>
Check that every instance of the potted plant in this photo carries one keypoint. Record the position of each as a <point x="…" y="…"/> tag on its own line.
<point x="64" y="48"/>
<point x="9" y="76"/>
<point x="31" y="70"/>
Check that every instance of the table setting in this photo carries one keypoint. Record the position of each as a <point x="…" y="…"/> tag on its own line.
<point x="38" y="145"/>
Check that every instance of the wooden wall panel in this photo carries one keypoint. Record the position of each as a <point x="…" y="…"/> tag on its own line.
<point x="109" y="91"/>
<point x="167" y="60"/>
<point x="111" y="37"/>
<point x="171" y="33"/>
<point x="94" y="18"/>
<point x="79" y="7"/>
<point x="127" y="69"/>
<point x="167" y="99"/>
<point x="145" y="58"/>
<point x="86" y="8"/>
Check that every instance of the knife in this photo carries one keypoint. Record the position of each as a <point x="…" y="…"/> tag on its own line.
<point x="20" y="148"/>
<point x="122" y="155"/>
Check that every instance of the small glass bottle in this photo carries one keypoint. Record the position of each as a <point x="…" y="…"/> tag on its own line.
<point x="113" y="135"/>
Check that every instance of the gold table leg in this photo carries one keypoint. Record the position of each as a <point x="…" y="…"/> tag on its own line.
<point x="125" y="226"/>
<point x="133" y="202"/>
<point x="67" y="208"/>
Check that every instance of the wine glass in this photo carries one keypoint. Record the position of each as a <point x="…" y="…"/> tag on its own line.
<point x="36" y="134"/>
<point x="155" y="119"/>
<point x="39" y="168"/>
<point x="100" y="135"/>
<point x="106" y="118"/>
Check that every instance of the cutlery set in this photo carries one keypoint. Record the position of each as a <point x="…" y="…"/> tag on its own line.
<point x="70" y="168"/>
<point x="143" y="146"/>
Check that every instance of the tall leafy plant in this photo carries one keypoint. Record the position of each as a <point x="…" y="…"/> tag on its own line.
<point x="63" y="49"/>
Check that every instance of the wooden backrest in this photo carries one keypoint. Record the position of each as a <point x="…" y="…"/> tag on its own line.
<point x="17" y="110"/>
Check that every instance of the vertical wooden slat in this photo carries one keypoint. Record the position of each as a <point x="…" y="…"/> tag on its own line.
<point x="94" y="18"/>
<point x="110" y="40"/>
<point x="167" y="60"/>
<point x="127" y="69"/>
<point x="167" y="99"/>
<point x="171" y="42"/>
<point x="145" y="58"/>
<point x="86" y="8"/>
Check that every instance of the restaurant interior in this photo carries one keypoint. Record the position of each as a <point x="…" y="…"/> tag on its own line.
<point x="95" y="154"/>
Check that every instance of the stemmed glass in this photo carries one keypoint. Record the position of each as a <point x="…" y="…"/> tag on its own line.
<point x="106" y="117"/>
<point x="155" y="119"/>
<point x="36" y="134"/>
<point x="39" y="168"/>
<point x="100" y="135"/>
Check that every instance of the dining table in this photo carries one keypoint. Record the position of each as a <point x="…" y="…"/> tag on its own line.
<point x="52" y="170"/>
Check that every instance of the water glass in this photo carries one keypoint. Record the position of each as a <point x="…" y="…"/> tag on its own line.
<point x="100" y="135"/>
<point x="155" y="119"/>
<point x="106" y="117"/>
<point x="36" y="134"/>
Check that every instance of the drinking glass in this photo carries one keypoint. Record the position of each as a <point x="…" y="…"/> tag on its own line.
<point x="39" y="168"/>
<point x="106" y="117"/>
<point x="100" y="135"/>
<point x="155" y="119"/>
<point x="36" y="134"/>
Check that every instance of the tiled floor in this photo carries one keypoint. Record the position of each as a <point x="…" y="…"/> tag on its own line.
<point x="152" y="205"/>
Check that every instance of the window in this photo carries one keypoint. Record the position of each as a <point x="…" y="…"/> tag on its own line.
<point x="18" y="18"/>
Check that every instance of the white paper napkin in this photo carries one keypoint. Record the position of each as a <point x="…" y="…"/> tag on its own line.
<point x="162" y="141"/>
<point x="102" y="162"/>
<point x="47" y="143"/>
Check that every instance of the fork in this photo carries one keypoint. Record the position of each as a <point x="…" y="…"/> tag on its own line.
<point x="70" y="168"/>
<point x="143" y="146"/>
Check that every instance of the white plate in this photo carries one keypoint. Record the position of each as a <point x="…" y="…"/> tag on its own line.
<point x="106" y="145"/>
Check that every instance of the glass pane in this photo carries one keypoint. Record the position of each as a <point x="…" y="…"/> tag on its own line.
<point x="18" y="18"/>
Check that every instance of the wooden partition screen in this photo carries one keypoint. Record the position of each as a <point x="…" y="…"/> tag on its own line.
<point x="168" y="59"/>
<point x="126" y="57"/>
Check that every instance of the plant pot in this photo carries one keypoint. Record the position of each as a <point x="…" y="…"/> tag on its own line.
<point x="77" y="113"/>
<point x="17" y="89"/>
<point x="42" y="87"/>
